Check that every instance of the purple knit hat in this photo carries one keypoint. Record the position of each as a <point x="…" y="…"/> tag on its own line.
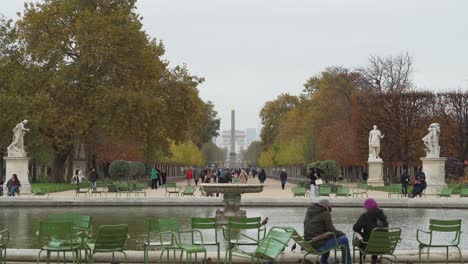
<point x="370" y="203"/>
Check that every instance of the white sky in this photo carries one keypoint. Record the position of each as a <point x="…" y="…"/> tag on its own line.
<point x="250" y="51"/>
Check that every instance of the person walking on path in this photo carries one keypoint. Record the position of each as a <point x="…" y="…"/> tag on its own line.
<point x="419" y="183"/>
<point x="405" y="180"/>
<point x="314" y="175"/>
<point x="262" y="176"/>
<point x="13" y="185"/>
<point x="283" y="178"/>
<point x="372" y="217"/>
<point x="154" y="178"/>
<point x="243" y="177"/>
<point x="93" y="178"/>
<point x="317" y="225"/>
<point x="196" y="175"/>
<point x="189" y="175"/>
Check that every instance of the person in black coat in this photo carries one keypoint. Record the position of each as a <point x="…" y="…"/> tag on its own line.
<point x="262" y="176"/>
<point x="405" y="180"/>
<point x="419" y="183"/>
<point x="283" y="178"/>
<point x="373" y="217"/>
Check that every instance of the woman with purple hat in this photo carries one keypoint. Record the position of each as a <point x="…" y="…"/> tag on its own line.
<point x="372" y="217"/>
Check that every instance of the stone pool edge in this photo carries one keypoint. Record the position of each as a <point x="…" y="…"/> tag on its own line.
<point x="429" y="203"/>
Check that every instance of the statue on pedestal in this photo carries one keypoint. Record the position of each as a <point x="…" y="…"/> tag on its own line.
<point x="16" y="148"/>
<point x="374" y="143"/>
<point x="431" y="141"/>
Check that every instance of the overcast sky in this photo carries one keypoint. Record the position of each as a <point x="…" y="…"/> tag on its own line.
<point x="251" y="51"/>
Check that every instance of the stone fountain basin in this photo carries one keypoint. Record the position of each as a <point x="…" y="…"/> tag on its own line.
<point x="232" y="188"/>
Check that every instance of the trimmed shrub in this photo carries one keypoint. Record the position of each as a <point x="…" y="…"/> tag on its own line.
<point x="137" y="169"/>
<point x="329" y="168"/>
<point x="119" y="170"/>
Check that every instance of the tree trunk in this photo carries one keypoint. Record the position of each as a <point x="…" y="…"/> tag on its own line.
<point x="58" y="168"/>
<point x="69" y="171"/>
<point x="34" y="171"/>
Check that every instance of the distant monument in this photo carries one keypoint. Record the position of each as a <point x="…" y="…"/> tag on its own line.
<point x="232" y="154"/>
<point x="17" y="161"/>
<point x="433" y="165"/>
<point x="375" y="162"/>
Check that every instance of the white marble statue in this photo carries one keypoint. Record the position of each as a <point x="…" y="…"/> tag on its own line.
<point x="16" y="148"/>
<point x="431" y="140"/>
<point x="374" y="143"/>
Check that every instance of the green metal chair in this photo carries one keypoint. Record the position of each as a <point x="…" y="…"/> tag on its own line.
<point x="343" y="192"/>
<point x="206" y="224"/>
<point x="446" y="227"/>
<point x="190" y="248"/>
<point x="82" y="190"/>
<point x="445" y="192"/>
<point x="324" y="191"/>
<point x="4" y="238"/>
<point x="393" y="190"/>
<point x="382" y="242"/>
<point x="270" y="247"/>
<point x="57" y="236"/>
<point x="299" y="191"/>
<point x="308" y="247"/>
<point x="109" y="239"/>
<point x="171" y="188"/>
<point x="137" y="190"/>
<point x="161" y="233"/>
<point x="236" y="233"/>
<point x="187" y="191"/>
<point x="112" y="188"/>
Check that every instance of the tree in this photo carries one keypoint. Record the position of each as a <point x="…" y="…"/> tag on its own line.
<point x="77" y="69"/>
<point x="212" y="153"/>
<point x="207" y="126"/>
<point x="329" y="168"/>
<point x="388" y="74"/>
<point x="266" y="159"/>
<point x="186" y="153"/>
<point x="252" y="154"/>
<point x="271" y="116"/>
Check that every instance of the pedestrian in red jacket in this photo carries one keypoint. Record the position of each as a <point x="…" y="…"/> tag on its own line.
<point x="189" y="175"/>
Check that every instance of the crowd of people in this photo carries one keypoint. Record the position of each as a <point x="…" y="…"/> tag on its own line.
<point x="419" y="183"/>
<point x="224" y="175"/>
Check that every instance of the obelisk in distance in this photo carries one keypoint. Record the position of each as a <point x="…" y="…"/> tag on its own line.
<point x="232" y="154"/>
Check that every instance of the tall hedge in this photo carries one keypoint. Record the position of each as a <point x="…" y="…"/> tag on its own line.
<point x="137" y="169"/>
<point x="329" y="168"/>
<point x="119" y="170"/>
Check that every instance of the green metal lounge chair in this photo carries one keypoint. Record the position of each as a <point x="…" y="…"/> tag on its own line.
<point x="112" y="188"/>
<point x="4" y="238"/>
<point x="109" y="239"/>
<point x="445" y="192"/>
<point x="343" y="192"/>
<point x="270" y="247"/>
<point x="464" y="192"/>
<point x="235" y="234"/>
<point x="187" y="191"/>
<point x="310" y="249"/>
<point x="171" y="188"/>
<point x="382" y="242"/>
<point x="324" y="191"/>
<point x="203" y="225"/>
<point x="190" y="248"/>
<point x="161" y="233"/>
<point x="299" y="191"/>
<point x="135" y="189"/>
<point x="57" y="236"/>
<point x="446" y="227"/>
<point x="361" y="190"/>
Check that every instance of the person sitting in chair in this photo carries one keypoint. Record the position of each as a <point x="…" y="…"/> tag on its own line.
<point x="13" y="185"/>
<point x="419" y="183"/>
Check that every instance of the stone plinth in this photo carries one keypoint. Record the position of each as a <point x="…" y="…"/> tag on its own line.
<point x="19" y="166"/>
<point x="375" y="172"/>
<point x="434" y="168"/>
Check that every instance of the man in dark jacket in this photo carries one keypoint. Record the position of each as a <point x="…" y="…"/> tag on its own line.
<point x="419" y="183"/>
<point x="283" y="178"/>
<point x="262" y="176"/>
<point x="317" y="224"/>
<point x="405" y="180"/>
<point x="93" y="178"/>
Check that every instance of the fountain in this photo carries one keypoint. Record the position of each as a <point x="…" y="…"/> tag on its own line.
<point x="232" y="197"/>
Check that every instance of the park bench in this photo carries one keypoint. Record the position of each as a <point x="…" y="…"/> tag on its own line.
<point x="464" y="192"/>
<point x="187" y="191"/>
<point x="299" y="191"/>
<point x="445" y="192"/>
<point x="324" y="191"/>
<point x="171" y="187"/>
<point x="342" y="192"/>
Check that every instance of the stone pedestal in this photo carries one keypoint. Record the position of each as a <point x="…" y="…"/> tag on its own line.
<point x="434" y="168"/>
<point x="19" y="166"/>
<point x="375" y="172"/>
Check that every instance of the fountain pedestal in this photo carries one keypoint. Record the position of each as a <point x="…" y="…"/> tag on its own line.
<point x="232" y="197"/>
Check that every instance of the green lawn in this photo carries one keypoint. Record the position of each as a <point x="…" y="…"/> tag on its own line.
<point x="57" y="187"/>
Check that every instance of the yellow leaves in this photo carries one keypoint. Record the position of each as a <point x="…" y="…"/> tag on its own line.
<point x="186" y="153"/>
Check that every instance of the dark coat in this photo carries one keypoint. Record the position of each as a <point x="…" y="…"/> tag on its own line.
<point x="318" y="221"/>
<point x="404" y="178"/>
<point x="368" y="221"/>
<point x="262" y="176"/>
<point x="283" y="175"/>
<point x="94" y="176"/>
<point x="312" y="178"/>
